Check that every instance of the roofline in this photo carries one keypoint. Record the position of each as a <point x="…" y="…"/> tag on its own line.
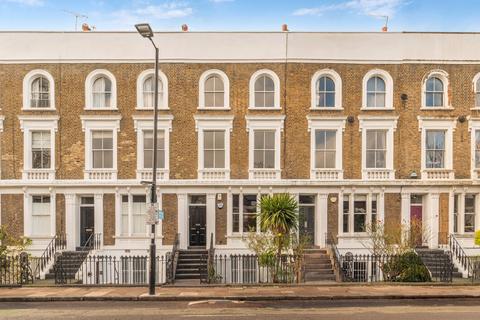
<point x="238" y="31"/>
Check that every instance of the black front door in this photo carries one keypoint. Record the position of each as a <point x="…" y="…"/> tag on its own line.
<point x="306" y="219"/>
<point x="197" y="217"/>
<point x="87" y="219"/>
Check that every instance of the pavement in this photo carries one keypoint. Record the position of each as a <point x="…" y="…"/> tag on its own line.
<point x="240" y="293"/>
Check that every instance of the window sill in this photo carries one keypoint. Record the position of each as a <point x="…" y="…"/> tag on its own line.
<point x="214" y="108"/>
<point x="438" y="174"/>
<point x="137" y="237"/>
<point x="378" y="174"/>
<point x="39" y="109"/>
<point x="358" y="235"/>
<point x="377" y="109"/>
<point x="213" y="174"/>
<point x="326" y="174"/>
<point x="327" y="108"/>
<point x="38" y="174"/>
<point x="264" y="108"/>
<point x="151" y="109"/>
<point x="101" y="109"/>
<point x="265" y="174"/>
<point x="445" y="108"/>
<point x="465" y="235"/>
<point x="475" y="108"/>
<point x="100" y="174"/>
<point x="147" y="174"/>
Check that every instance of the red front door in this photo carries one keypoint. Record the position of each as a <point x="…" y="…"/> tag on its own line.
<point x="416" y="227"/>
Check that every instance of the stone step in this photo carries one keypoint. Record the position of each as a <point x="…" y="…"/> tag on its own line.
<point x="314" y="251"/>
<point x="323" y="271"/>
<point x="317" y="261"/>
<point x="319" y="277"/>
<point x="188" y="276"/>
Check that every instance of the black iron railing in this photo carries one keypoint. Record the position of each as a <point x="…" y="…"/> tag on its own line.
<point x="172" y="260"/>
<point x="58" y="243"/>
<point x="331" y="244"/>
<point x="15" y="270"/>
<point x="459" y="255"/>
<point x="207" y="268"/>
<point x="250" y="269"/>
<point x="93" y="242"/>
<point x="112" y="270"/>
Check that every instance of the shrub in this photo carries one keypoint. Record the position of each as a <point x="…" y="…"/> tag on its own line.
<point x="407" y="267"/>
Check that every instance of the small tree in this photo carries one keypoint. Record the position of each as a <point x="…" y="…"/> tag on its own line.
<point x="279" y="216"/>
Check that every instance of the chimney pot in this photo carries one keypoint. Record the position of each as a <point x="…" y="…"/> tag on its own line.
<point x="385" y="29"/>
<point x="184" y="27"/>
<point x="284" y="27"/>
<point x="86" y="28"/>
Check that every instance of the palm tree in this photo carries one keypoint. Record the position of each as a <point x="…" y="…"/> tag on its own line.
<point x="279" y="215"/>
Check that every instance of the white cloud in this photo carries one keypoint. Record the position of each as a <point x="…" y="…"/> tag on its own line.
<point x="367" y="7"/>
<point x="32" y="3"/>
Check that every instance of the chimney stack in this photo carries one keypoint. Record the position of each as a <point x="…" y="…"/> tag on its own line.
<point x="385" y="29"/>
<point x="285" y="27"/>
<point x="184" y="27"/>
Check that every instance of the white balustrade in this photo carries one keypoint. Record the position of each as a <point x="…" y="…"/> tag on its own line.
<point x="327" y="174"/>
<point x="39" y="174"/>
<point x="265" y="174"/>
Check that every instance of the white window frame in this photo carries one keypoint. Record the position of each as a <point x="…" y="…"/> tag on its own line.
<point x="327" y="123"/>
<point x="475" y="92"/>
<point x="28" y="124"/>
<point x="92" y="76"/>
<point x="461" y="211"/>
<point x="92" y="123"/>
<point x="28" y="215"/>
<point x="264" y="122"/>
<point x="385" y="76"/>
<point x="206" y="122"/>
<point x="141" y="79"/>
<point x="142" y="123"/>
<point x="437" y="123"/>
<point x="332" y="74"/>
<point x="276" y="83"/>
<point x="241" y="193"/>
<point x="351" y="196"/>
<point x="389" y="124"/>
<point x="443" y="76"/>
<point x="226" y="90"/>
<point x="27" y="89"/>
<point x="473" y="126"/>
<point x="119" y="226"/>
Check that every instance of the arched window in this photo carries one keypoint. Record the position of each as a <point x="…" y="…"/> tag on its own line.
<point x="100" y="90"/>
<point x="38" y="90"/>
<point x="214" y="92"/>
<point x="376" y="92"/>
<point x="149" y="92"/>
<point x="477" y="93"/>
<point x="146" y="90"/>
<point x="325" y="90"/>
<point x="264" y="90"/>
<point x="434" y="91"/>
<point x="40" y="93"/>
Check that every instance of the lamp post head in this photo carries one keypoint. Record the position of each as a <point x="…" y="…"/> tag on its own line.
<point x="145" y="30"/>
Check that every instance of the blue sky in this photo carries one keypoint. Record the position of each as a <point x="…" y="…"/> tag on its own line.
<point x="256" y="15"/>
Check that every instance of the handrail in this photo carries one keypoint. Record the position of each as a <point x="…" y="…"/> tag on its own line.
<point x="57" y="243"/>
<point x="93" y="242"/>
<point x="172" y="260"/>
<point x="460" y="255"/>
<point x="330" y="242"/>
<point x="210" y="259"/>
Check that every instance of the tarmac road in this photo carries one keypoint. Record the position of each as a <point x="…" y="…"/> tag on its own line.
<point x="422" y="309"/>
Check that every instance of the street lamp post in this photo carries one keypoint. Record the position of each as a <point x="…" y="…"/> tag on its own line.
<point x="146" y="31"/>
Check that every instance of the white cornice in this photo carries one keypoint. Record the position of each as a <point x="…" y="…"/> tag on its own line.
<point x="213" y="121"/>
<point x="47" y="121"/>
<point x="101" y="120"/>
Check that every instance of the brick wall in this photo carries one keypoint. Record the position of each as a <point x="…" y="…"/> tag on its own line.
<point x="170" y="223"/>
<point x="332" y="214"/>
<point x="183" y="103"/>
<point x="221" y="221"/>
<point x="393" y="213"/>
<point x="109" y="219"/>
<point x="443" y="218"/>
<point x="60" y="213"/>
<point x="12" y="213"/>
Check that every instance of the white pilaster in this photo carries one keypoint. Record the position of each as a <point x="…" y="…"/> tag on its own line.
<point x="405" y="209"/>
<point x="183" y="220"/>
<point x="53" y="217"/>
<point x="118" y="213"/>
<point x="381" y="207"/>
<point x="321" y="219"/>
<point x="211" y="199"/>
<point x="229" y="212"/>
<point x="461" y="213"/>
<point x="27" y="214"/>
<point x="70" y="221"/>
<point x="340" y="213"/>
<point x="159" y="238"/>
<point x="98" y="207"/>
